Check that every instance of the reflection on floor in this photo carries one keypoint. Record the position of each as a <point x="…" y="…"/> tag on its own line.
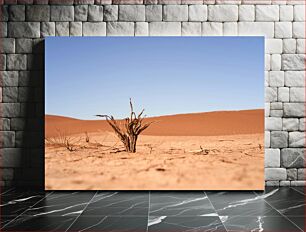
<point x="276" y="209"/>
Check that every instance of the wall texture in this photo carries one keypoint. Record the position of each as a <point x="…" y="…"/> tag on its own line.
<point x="24" y="24"/>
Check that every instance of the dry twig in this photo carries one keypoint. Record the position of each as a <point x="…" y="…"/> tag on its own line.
<point x="129" y="129"/>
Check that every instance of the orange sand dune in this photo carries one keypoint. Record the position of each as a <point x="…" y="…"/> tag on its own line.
<point x="195" y="124"/>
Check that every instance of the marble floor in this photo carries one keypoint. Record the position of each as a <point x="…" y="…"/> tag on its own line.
<point x="275" y="210"/>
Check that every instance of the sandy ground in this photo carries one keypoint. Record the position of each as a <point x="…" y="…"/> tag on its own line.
<point x="223" y="162"/>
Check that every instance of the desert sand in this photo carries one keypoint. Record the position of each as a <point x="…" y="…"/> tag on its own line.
<point x="220" y="150"/>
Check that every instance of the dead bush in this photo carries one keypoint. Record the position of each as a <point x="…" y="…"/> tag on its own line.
<point x="130" y="130"/>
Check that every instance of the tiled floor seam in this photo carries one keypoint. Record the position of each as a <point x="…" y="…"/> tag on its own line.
<point x="298" y="191"/>
<point x="82" y="212"/>
<point x="283" y="215"/>
<point x="214" y="210"/>
<point x="25" y="211"/>
<point x="149" y="211"/>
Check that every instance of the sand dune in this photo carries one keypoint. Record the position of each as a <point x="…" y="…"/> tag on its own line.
<point x="195" y="124"/>
<point x="213" y="151"/>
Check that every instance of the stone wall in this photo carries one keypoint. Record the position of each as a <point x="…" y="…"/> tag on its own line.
<point x="24" y="24"/>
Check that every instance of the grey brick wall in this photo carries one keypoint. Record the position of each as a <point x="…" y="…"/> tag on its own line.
<point x="24" y="24"/>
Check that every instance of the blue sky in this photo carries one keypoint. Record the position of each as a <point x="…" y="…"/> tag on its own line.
<point x="165" y="75"/>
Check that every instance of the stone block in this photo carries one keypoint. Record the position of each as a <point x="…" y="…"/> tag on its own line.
<point x="276" y="106"/>
<point x="2" y="62"/>
<point x="141" y="29"/>
<point x="293" y="61"/>
<point x="3" y="32"/>
<point x="300" y="46"/>
<point x="11" y="110"/>
<point x="292" y="174"/>
<point x="296" y="139"/>
<point x="299" y="13"/>
<point x="222" y="13"/>
<point x="301" y="174"/>
<point x="302" y="124"/>
<point x="62" y="28"/>
<point x="24" y="45"/>
<point x="8" y="139"/>
<point x="273" y="46"/>
<point x="267" y="139"/>
<point x="246" y="13"/>
<point x="230" y="29"/>
<point x="175" y="13"/>
<point x="94" y="29"/>
<point x="286" y="13"/>
<point x="277" y="79"/>
<point x="131" y="13"/>
<point x="283" y="94"/>
<point x="110" y="13"/>
<point x="212" y="29"/>
<point x="47" y="29"/>
<point x="279" y="139"/>
<point x="298" y="30"/>
<point x="75" y="29"/>
<point x="289" y="46"/>
<point x="297" y="94"/>
<point x="191" y="29"/>
<point x="16" y="62"/>
<point x="267" y="109"/>
<point x="24" y="29"/>
<point x="276" y="62"/>
<point x="256" y="28"/>
<point x="8" y="45"/>
<point x="95" y="13"/>
<point x="9" y="94"/>
<point x="154" y="13"/>
<point x="38" y="13"/>
<point x="276" y="113"/>
<point x="270" y="94"/>
<point x="165" y="28"/>
<point x="9" y="78"/>
<point x="272" y="158"/>
<point x="294" y="78"/>
<point x="294" y="110"/>
<point x="267" y="13"/>
<point x="81" y="13"/>
<point x="290" y="124"/>
<point x="120" y="29"/>
<point x="197" y="13"/>
<point x="273" y="123"/>
<point x="17" y="13"/>
<point x="62" y="13"/>
<point x="275" y="174"/>
<point x="283" y="30"/>
<point x="4" y="13"/>
<point x="293" y="157"/>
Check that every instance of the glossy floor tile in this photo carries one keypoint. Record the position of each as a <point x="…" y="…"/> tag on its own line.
<point x="275" y="209"/>
<point x="258" y="223"/>
<point x="180" y="204"/>
<point x="188" y="224"/>
<point x="110" y="223"/>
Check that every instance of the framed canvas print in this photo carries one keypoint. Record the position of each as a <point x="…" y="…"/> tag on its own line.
<point x="154" y="113"/>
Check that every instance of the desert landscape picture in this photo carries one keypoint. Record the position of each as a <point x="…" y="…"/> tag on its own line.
<point x="154" y="113"/>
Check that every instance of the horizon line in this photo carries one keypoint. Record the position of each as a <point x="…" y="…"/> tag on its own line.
<point x="213" y="111"/>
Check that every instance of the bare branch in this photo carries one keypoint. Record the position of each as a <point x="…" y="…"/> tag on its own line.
<point x="132" y="127"/>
